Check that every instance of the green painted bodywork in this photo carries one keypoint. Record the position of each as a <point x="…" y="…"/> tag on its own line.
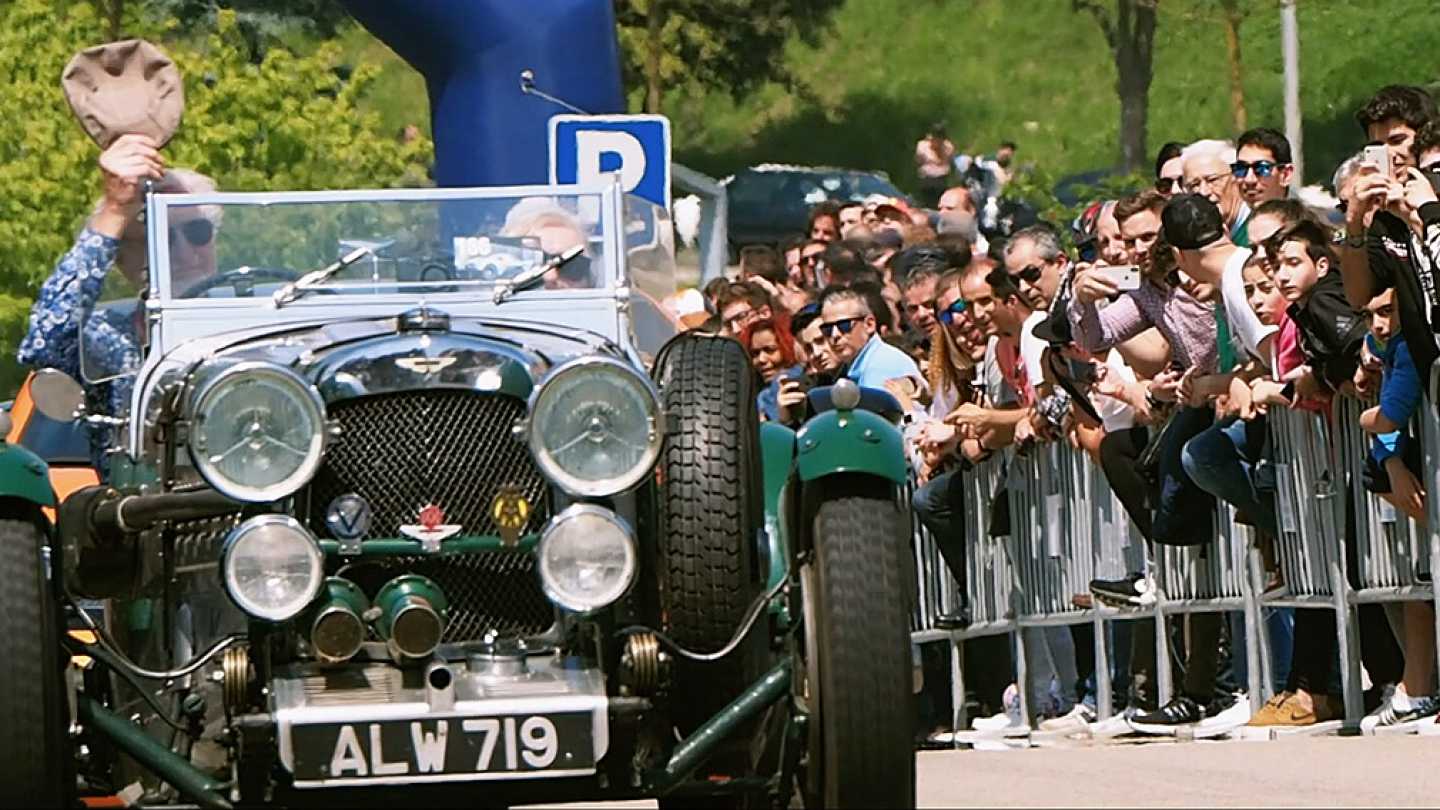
<point x="341" y="593"/>
<point x="404" y="590"/>
<point x="462" y="544"/>
<point x="24" y="475"/>
<point x="191" y="782"/>
<point x="777" y="452"/>
<point x="851" y="442"/>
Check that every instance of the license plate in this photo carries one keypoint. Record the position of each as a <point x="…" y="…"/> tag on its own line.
<point x="510" y="746"/>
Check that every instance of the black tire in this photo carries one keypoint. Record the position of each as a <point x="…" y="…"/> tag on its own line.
<point x="710" y="514"/>
<point x="861" y="647"/>
<point x="34" y="756"/>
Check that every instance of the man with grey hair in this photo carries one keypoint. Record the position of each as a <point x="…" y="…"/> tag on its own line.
<point x="1036" y="261"/>
<point x="1208" y="173"/>
<point x="848" y="323"/>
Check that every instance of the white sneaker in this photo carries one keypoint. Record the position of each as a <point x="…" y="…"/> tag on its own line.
<point x="1076" y="721"/>
<point x="1118" y="725"/>
<point x="1237" y="715"/>
<point x="1008" y="723"/>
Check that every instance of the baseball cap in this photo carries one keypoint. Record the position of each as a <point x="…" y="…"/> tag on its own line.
<point x="1191" y="222"/>
<point x="123" y="88"/>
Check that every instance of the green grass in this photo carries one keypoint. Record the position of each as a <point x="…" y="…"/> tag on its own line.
<point x="1038" y="73"/>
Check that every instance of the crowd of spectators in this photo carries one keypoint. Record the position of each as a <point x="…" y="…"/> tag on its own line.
<point x="1158" y="332"/>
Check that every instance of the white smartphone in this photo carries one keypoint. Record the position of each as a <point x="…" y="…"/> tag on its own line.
<point x="1377" y="155"/>
<point x="1123" y="277"/>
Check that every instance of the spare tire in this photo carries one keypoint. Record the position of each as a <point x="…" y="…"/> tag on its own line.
<point x="711" y="514"/>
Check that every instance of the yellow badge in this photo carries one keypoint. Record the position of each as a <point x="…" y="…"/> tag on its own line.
<point x="510" y="511"/>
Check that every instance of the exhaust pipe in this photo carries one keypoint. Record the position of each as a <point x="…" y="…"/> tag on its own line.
<point x="337" y="628"/>
<point x="412" y="616"/>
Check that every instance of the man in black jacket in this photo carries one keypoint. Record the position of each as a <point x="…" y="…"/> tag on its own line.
<point x="1392" y="220"/>
<point x="1331" y="331"/>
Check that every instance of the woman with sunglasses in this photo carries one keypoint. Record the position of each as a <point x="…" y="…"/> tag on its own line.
<point x="113" y="236"/>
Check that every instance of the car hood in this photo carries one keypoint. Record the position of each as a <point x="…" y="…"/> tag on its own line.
<point x="418" y="349"/>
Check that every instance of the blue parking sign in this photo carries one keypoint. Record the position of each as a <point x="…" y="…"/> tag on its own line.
<point x="585" y="147"/>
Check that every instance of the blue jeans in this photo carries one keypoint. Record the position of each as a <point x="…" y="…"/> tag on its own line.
<point x="1222" y="460"/>
<point x="1185" y="513"/>
<point x="938" y="505"/>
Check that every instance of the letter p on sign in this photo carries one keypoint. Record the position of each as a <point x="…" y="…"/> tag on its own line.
<point x="584" y="148"/>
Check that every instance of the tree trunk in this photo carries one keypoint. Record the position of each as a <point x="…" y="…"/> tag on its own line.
<point x="1233" y="18"/>
<point x="1133" y="43"/>
<point x="654" y="49"/>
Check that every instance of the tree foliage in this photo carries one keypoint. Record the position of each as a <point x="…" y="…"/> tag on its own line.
<point x="284" y="122"/>
<point x="729" y="45"/>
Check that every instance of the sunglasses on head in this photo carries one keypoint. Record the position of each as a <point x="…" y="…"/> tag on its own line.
<point x="197" y="232"/>
<point x="948" y="315"/>
<point x="1262" y="168"/>
<point x="844" y="325"/>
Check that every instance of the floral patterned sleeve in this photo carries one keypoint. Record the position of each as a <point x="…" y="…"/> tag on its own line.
<point x="53" y="338"/>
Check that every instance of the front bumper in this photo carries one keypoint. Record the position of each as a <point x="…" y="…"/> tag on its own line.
<point x="501" y="717"/>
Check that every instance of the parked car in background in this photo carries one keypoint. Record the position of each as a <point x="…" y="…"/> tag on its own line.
<point x="770" y="202"/>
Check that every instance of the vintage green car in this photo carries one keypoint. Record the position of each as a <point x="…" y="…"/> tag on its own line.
<point x="457" y="519"/>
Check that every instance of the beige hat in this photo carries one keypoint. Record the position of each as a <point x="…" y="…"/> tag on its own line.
<point x="123" y="88"/>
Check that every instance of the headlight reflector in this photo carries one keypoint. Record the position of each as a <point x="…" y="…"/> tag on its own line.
<point x="587" y="558"/>
<point x="257" y="431"/>
<point x="594" y="427"/>
<point x="272" y="567"/>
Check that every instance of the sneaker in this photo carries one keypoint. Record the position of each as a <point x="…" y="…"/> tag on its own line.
<point x="1400" y="713"/>
<point x="1008" y="723"/>
<point x="1117" y="726"/>
<point x="1135" y="590"/>
<point x="1076" y="721"/>
<point x="1287" y="709"/>
<point x="1180" y="711"/>
<point x="1221" y="719"/>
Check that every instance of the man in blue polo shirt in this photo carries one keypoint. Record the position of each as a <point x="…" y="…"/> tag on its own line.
<point x="847" y="322"/>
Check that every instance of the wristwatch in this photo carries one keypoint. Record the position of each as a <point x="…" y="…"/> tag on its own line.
<point x="1355" y="240"/>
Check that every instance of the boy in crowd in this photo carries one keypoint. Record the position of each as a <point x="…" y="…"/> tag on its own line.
<point x="1392" y="470"/>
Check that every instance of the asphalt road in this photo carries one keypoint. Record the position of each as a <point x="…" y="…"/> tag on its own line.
<point x="1314" y="772"/>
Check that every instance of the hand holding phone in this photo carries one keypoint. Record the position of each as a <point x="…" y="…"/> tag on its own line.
<point x="1122" y="277"/>
<point x="1377" y="155"/>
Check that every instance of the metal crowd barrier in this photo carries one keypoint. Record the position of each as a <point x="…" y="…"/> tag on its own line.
<point x="1067" y="527"/>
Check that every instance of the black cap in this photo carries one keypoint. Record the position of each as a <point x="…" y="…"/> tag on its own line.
<point x="1055" y="329"/>
<point x="1192" y="222"/>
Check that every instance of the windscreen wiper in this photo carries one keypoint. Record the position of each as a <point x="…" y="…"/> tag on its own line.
<point x="300" y="286"/>
<point x="534" y="274"/>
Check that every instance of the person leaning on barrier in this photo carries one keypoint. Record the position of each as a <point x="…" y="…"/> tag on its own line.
<point x="1392" y="219"/>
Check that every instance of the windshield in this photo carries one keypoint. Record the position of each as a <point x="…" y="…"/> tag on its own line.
<point x="250" y="249"/>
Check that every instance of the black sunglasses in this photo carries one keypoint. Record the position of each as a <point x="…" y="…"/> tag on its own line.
<point x="948" y="315"/>
<point x="1262" y="168"/>
<point x="1029" y="274"/>
<point x="845" y="325"/>
<point x="198" y="232"/>
<point x="1165" y="185"/>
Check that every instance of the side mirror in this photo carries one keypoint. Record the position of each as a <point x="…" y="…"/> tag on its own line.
<point x="57" y="395"/>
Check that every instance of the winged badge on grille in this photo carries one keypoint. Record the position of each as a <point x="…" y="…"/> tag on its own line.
<point x="432" y="528"/>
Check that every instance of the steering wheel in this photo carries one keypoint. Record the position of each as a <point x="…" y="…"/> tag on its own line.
<point x="242" y="281"/>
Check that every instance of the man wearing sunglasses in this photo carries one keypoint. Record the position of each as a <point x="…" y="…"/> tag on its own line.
<point x="848" y="324"/>
<point x="1036" y="262"/>
<point x="1262" y="166"/>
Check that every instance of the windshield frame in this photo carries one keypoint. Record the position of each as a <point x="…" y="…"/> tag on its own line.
<point x="608" y="192"/>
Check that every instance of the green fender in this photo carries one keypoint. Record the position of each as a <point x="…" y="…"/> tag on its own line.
<point x="24" y="475"/>
<point x="777" y="453"/>
<point x="851" y="442"/>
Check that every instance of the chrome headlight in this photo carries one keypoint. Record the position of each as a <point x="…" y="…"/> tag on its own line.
<point x="587" y="558"/>
<point x="257" y="431"/>
<point x="272" y="567"/>
<point x="594" y="427"/>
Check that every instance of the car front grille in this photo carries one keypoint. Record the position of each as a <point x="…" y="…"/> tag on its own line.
<point x="455" y="449"/>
